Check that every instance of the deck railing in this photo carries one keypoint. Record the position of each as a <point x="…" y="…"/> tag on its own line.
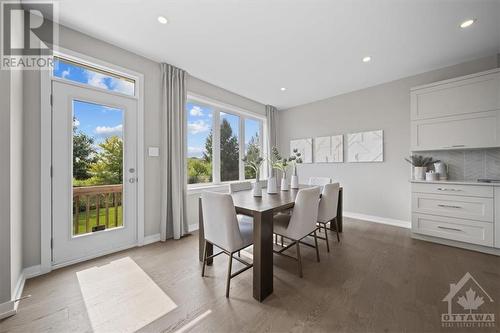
<point x="88" y="198"/>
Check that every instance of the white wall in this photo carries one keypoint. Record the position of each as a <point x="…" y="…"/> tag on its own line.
<point x="376" y="189"/>
<point x="73" y="40"/>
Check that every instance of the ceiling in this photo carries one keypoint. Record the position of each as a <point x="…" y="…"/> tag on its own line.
<point x="313" y="48"/>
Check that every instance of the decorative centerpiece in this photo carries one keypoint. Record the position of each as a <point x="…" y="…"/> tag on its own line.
<point x="280" y="163"/>
<point x="254" y="161"/>
<point x="420" y="165"/>
<point x="295" y="158"/>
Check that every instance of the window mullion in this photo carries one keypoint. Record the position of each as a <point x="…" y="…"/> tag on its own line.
<point x="241" y="140"/>
<point x="216" y="147"/>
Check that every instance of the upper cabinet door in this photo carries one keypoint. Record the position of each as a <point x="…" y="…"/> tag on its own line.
<point x="470" y="94"/>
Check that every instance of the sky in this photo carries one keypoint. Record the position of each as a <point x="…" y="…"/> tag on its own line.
<point x="200" y="123"/>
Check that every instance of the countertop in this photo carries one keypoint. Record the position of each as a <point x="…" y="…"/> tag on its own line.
<point x="455" y="182"/>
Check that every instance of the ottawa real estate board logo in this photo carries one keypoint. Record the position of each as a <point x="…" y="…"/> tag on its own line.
<point x="28" y="34"/>
<point x="469" y="305"/>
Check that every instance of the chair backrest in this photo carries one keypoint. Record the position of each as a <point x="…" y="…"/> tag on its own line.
<point x="319" y="181"/>
<point x="327" y="210"/>
<point x="219" y="220"/>
<point x="305" y="213"/>
<point x="241" y="186"/>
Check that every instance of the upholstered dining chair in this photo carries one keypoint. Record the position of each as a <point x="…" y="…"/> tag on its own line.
<point x="240" y="186"/>
<point x="225" y="230"/>
<point x="300" y="224"/>
<point x="327" y="211"/>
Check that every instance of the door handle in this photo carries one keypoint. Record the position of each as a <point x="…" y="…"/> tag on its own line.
<point x="131" y="180"/>
<point x="446" y="228"/>
<point x="448" y="206"/>
<point x="448" y="189"/>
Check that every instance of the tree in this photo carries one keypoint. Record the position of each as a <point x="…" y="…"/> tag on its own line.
<point x="84" y="154"/>
<point x="229" y="152"/>
<point x="253" y="152"/>
<point x="199" y="171"/>
<point x="108" y="169"/>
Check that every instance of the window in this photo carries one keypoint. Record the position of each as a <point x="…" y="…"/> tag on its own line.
<point x="81" y="73"/>
<point x="234" y="134"/>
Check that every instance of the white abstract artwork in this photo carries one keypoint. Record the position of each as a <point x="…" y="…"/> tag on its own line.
<point x="366" y="147"/>
<point x="329" y="149"/>
<point x="304" y="146"/>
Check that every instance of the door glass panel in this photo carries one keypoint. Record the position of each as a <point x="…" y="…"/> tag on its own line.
<point x="199" y="142"/>
<point x="252" y="144"/>
<point x="97" y="167"/>
<point x="81" y="73"/>
<point x="229" y="147"/>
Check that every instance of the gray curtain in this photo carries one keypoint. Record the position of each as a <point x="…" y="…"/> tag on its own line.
<point x="173" y="169"/>
<point x="272" y="129"/>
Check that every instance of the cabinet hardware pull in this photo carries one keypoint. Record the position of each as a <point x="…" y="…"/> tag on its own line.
<point x="448" y="189"/>
<point x="446" y="228"/>
<point x="448" y="206"/>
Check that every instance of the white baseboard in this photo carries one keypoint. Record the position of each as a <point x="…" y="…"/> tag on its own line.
<point x="7" y="309"/>
<point x="378" y="219"/>
<point x="32" y="271"/>
<point x="151" y="239"/>
<point x="192" y="227"/>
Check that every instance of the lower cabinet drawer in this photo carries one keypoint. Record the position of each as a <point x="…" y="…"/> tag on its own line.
<point x="474" y="232"/>
<point x="473" y="208"/>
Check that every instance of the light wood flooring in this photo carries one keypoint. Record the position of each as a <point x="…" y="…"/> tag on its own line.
<point x="377" y="279"/>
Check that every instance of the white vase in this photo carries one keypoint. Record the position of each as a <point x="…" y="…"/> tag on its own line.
<point x="294" y="182"/>
<point x="419" y="173"/>
<point x="284" y="184"/>
<point x="257" y="189"/>
<point x="272" y="186"/>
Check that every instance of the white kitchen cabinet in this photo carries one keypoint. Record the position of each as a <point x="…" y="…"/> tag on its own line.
<point x="464" y="95"/>
<point x="497" y="217"/>
<point x="461" y="113"/>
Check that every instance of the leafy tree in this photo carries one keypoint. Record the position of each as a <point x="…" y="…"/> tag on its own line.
<point x="229" y="152"/>
<point x="253" y="152"/>
<point x="108" y="169"/>
<point x="199" y="171"/>
<point x="84" y="154"/>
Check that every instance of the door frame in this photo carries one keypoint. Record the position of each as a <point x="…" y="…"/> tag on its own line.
<point x="46" y="151"/>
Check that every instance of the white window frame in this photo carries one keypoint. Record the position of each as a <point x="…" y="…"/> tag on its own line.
<point x="46" y="78"/>
<point x="217" y="107"/>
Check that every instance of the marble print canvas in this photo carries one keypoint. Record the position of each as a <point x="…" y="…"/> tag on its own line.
<point x="329" y="149"/>
<point x="305" y="148"/>
<point x="366" y="147"/>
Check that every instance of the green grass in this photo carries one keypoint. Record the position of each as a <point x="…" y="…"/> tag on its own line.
<point x="82" y="218"/>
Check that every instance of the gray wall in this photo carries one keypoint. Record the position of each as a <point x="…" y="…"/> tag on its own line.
<point x="75" y="41"/>
<point x="376" y="189"/>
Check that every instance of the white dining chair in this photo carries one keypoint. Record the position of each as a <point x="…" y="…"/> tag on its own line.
<point x="300" y="224"/>
<point x="240" y="186"/>
<point x="319" y="181"/>
<point x="225" y="230"/>
<point x="327" y="210"/>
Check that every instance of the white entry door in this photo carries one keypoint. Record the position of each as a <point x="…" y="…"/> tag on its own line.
<point x="94" y="161"/>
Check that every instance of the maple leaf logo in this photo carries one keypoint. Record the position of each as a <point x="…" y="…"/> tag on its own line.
<point x="470" y="301"/>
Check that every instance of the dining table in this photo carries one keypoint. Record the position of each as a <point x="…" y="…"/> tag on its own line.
<point x="262" y="210"/>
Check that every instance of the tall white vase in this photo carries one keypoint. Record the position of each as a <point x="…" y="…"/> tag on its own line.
<point x="419" y="173"/>
<point x="284" y="183"/>
<point x="272" y="186"/>
<point x="294" y="182"/>
<point x="257" y="188"/>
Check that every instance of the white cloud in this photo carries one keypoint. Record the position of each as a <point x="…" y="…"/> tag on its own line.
<point x="103" y="81"/>
<point x="76" y="122"/>
<point x="96" y="79"/>
<point x="198" y="126"/>
<point x="195" y="151"/>
<point x="196" y="111"/>
<point x="65" y="73"/>
<point x="109" y="131"/>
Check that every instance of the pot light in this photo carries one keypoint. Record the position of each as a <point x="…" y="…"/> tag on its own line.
<point x="467" y="23"/>
<point x="282" y="89"/>
<point x="162" y="19"/>
<point x="367" y="59"/>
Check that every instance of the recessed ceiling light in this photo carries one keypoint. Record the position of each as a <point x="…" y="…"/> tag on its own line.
<point x="467" y="23"/>
<point x="282" y="89"/>
<point x="162" y="19"/>
<point x="367" y="59"/>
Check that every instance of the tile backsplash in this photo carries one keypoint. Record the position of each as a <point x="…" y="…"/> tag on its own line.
<point x="470" y="165"/>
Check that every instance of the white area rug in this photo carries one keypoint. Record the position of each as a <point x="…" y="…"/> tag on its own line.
<point x="121" y="297"/>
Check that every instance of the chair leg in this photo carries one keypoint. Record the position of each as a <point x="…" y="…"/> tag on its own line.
<point x="239" y="255"/>
<point x="228" y="282"/>
<point x="299" y="259"/>
<point x="281" y="240"/>
<point x="326" y="239"/>
<point x="337" y="229"/>
<point x="204" y="259"/>
<point x="316" y="245"/>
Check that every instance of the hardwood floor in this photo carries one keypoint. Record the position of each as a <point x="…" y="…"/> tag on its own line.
<point x="377" y="279"/>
